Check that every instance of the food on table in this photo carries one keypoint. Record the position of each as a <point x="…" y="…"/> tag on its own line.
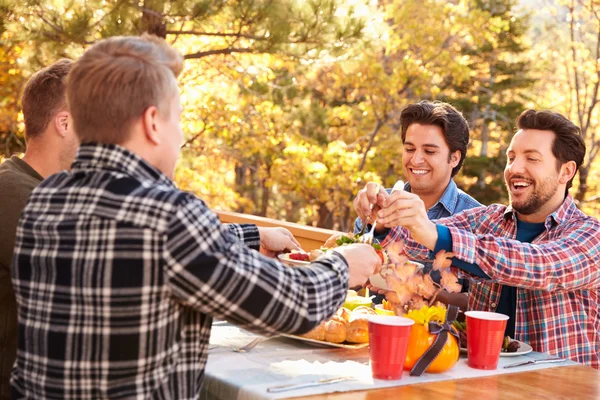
<point x="317" y="334"/>
<point x="461" y="327"/>
<point x="345" y="326"/>
<point x="508" y="345"/>
<point x="299" y="256"/>
<point x="420" y="340"/>
<point x="353" y="301"/>
<point x="381" y="310"/>
<point x="357" y="330"/>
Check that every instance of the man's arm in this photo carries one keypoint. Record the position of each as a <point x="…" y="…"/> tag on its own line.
<point x="210" y="270"/>
<point x="247" y="233"/>
<point x="567" y="263"/>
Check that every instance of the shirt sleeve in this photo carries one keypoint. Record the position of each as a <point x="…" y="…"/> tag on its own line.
<point x="569" y="262"/>
<point x="210" y="270"/>
<point x="247" y="233"/>
<point x="444" y="242"/>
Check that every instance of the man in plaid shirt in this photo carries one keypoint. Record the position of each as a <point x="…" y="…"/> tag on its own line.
<point x="118" y="274"/>
<point x="535" y="260"/>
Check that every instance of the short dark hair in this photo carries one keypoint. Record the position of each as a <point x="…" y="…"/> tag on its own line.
<point x="44" y="96"/>
<point x="451" y="121"/>
<point x="568" y="143"/>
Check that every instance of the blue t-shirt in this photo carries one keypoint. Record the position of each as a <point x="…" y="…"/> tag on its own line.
<point x="507" y="304"/>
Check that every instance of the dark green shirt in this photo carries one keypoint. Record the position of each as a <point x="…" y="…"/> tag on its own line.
<point x="17" y="180"/>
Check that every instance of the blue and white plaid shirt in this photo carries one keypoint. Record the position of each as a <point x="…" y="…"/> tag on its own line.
<point x="118" y="274"/>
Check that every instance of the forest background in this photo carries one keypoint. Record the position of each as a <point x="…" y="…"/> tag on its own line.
<point x="291" y="106"/>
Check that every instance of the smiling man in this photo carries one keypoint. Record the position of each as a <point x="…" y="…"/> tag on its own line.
<point x="435" y="137"/>
<point x="535" y="260"/>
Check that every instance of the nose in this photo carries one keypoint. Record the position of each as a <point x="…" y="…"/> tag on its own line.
<point x="418" y="157"/>
<point x="517" y="166"/>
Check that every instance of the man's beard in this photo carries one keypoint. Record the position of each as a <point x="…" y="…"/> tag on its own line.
<point x="540" y="196"/>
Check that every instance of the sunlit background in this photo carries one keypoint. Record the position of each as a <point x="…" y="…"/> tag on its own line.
<point x="291" y="106"/>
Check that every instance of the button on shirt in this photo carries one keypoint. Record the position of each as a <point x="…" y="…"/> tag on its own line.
<point x="118" y="274"/>
<point x="557" y="276"/>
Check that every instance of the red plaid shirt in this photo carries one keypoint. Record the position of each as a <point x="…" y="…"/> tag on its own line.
<point x="557" y="276"/>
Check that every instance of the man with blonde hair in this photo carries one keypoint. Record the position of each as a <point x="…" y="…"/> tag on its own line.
<point x="134" y="269"/>
<point x="51" y="146"/>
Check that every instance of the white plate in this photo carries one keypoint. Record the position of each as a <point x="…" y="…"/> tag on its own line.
<point x="378" y="280"/>
<point x="523" y="349"/>
<point x="327" y="344"/>
<point x="285" y="258"/>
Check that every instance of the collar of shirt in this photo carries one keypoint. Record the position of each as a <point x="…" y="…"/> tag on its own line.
<point x="448" y="200"/>
<point x="562" y="213"/>
<point x="116" y="158"/>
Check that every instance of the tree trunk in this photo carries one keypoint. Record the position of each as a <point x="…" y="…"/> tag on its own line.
<point x="325" y="217"/>
<point x="584" y="172"/>
<point x="153" y="21"/>
<point x="485" y="137"/>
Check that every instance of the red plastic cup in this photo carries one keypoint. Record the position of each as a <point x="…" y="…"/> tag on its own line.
<point x="388" y="341"/>
<point x="485" y="334"/>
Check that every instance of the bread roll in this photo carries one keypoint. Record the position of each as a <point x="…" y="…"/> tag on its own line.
<point x="357" y="330"/>
<point x="317" y="334"/>
<point x="344" y="314"/>
<point x="335" y="330"/>
<point x="362" y="310"/>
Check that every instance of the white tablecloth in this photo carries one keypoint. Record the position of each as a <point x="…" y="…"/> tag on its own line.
<point x="278" y="361"/>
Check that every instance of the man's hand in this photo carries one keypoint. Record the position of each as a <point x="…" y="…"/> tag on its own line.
<point x="362" y="261"/>
<point x="276" y="240"/>
<point x="369" y="200"/>
<point x="406" y="209"/>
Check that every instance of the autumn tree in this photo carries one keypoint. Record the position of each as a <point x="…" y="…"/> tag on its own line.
<point x="570" y="79"/>
<point x="11" y="81"/>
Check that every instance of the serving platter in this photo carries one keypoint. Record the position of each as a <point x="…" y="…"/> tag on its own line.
<point x="326" y="344"/>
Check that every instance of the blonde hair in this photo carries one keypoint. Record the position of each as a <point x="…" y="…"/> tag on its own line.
<point x="116" y="80"/>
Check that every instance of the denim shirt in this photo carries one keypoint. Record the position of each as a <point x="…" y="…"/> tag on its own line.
<point x="453" y="200"/>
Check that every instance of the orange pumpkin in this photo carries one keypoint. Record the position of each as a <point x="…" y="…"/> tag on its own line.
<point x="420" y="340"/>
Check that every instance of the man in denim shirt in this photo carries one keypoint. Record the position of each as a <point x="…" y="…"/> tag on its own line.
<point x="435" y="136"/>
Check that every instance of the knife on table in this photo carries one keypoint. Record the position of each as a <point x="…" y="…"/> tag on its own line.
<point x="294" y="386"/>
<point x="534" y="362"/>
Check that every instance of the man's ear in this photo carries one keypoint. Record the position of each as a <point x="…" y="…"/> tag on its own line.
<point x="567" y="171"/>
<point x="150" y="125"/>
<point x="455" y="158"/>
<point x="61" y="123"/>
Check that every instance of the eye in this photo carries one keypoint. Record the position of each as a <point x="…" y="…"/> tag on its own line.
<point x="409" y="150"/>
<point x="429" y="152"/>
<point x="511" y="159"/>
<point x="532" y="159"/>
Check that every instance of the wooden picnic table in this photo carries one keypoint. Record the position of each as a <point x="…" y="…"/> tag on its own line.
<point x="568" y="382"/>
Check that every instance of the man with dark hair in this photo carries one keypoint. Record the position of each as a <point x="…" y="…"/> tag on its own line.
<point x="134" y="270"/>
<point x="435" y="136"/>
<point x="51" y="146"/>
<point x="535" y="260"/>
